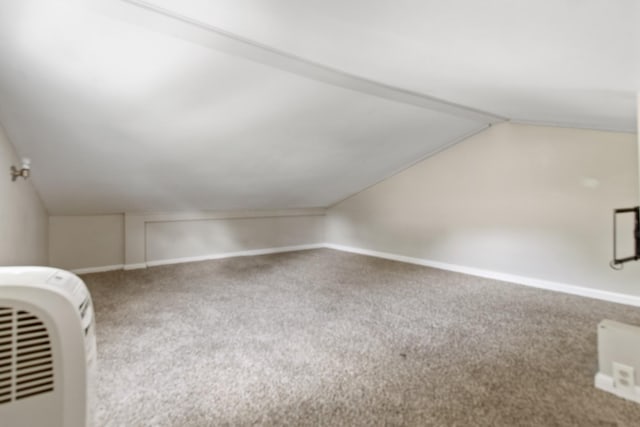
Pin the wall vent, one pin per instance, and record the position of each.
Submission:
(26, 362)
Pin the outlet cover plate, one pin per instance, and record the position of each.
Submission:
(624, 378)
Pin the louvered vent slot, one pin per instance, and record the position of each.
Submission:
(26, 363)
(83, 307)
(6, 353)
(34, 363)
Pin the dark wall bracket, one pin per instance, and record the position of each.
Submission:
(618, 263)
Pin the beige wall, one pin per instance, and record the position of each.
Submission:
(187, 239)
(23, 217)
(523, 200)
(101, 241)
(86, 241)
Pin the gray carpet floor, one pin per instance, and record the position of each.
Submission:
(327, 338)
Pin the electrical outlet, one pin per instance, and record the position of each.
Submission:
(624, 378)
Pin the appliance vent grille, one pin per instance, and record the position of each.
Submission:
(82, 308)
(26, 361)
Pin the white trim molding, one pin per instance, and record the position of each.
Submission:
(251, 252)
(238, 214)
(137, 266)
(503, 277)
(606, 383)
(98, 269)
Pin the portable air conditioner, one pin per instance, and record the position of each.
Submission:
(47, 348)
(619, 359)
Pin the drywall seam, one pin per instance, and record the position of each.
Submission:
(503, 277)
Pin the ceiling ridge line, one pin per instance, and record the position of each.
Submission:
(250, 49)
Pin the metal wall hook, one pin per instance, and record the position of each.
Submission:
(24, 171)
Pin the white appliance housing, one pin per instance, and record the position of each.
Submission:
(619, 359)
(47, 348)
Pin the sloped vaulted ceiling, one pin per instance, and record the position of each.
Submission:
(214, 105)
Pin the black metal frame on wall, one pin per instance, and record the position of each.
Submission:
(617, 263)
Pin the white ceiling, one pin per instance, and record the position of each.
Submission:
(307, 103)
(569, 62)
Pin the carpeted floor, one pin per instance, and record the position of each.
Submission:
(327, 338)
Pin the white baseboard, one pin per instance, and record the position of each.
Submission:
(135, 266)
(605, 383)
(98, 269)
(504, 277)
(251, 252)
